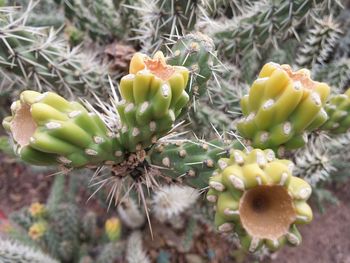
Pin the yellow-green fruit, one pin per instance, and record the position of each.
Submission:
(281, 106)
(49, 130)
(257, 197)
(113, 228)
(153, 96)
(338, 109)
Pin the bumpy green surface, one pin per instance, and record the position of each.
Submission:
(243, 172)
(49, 130)
(190, 162)
(153, 96)
(281, 107)
(197, 53)
(338, 109)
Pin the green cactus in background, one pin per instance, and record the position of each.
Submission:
(157, 20)
(153, 96)
(258, 198)
(197, 53)
(43, 59)
(49, 130)
(338, 109)
(190, 162)
(281, 106)
(13, 252)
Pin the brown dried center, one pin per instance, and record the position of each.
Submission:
(23, 125)
(159, 68)
(301, 76)
(267, 212)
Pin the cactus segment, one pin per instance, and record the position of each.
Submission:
(281, 106)
(337, 108)
(49, 130)
(153, 96)
(197, 53)
(257, 196)
(190, 162)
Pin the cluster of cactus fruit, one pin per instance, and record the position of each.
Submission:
(256, 194)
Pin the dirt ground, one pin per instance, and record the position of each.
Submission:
(326, 240)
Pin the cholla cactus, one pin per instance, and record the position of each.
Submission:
(281, 106)
(13, 252)
(338, 109)
(191, 162)
(197, 53)
(257, 196)
(158, 20)
(99, 18)
(153, 96)
(43, 59)
(48, 129)
(320, 44)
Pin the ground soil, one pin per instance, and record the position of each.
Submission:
(326, 240)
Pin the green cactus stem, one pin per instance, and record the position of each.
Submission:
(43, 59)
(190, 162)
(257, 197)
(49, 130)
(197, 53)
(281, 107)
(153, 96)
(338, 109)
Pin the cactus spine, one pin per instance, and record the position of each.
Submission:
(257, 197)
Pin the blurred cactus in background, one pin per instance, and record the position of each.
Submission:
(147, 105)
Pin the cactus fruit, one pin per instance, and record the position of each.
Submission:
(37, 230)
(49, 130)
(153, 96)
(37, 210)
(257, 197)
(197, 53)
(281, 106)
(190, 162)
(338, 109)
(113, 229)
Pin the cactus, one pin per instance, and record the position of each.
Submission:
(157, 20)
(338, 109)
(13, 252)
(113, 229)
(262, 26)
(99, 18)
(257, 197)
(281, 106)
(197, 53)
(153, 96)
(320, 44)
(190, 162)
(42, 59)
(49, 130)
